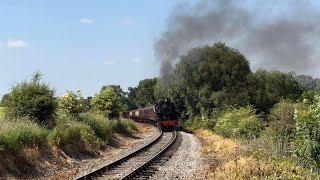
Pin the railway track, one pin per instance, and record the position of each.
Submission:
(141, 163)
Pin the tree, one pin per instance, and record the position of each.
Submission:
(131, 98)
(268, 88)
(308, 83)
(212, 76)
(33, 99)
(147, 93)
(71, 103)
(4, 97)
(107, 102)
(121, 94)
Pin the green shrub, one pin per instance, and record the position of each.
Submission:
(100, 125)
(123, 126)
(70, 132)
(239, 123)
(18, 133)
(193, 124)
(278, 137)
(307, 141)
(71, 103)
(107, 103)
(210, 123)
(33, 99)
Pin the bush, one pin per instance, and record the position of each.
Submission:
(307, 141)
(69, 133)
(278, 138)
(18, 133)
(107, 103)
(100, 125)
(210, 123)
(239, 123)
(123, 126)
(192, 124)
(103, 128)
(33, 99)
(71, 103)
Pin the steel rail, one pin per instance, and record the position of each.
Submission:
(133, 174)
(117, 162)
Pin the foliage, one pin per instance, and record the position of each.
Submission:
(70, 133)
(308, 83)
(147, 93)
(4, 97)
(33, 99)
(212, 76)
(99, 124)
(268, 88)
(192, 124)
(104, 128)
(71, 103)
(21, 132)
(174, 91)
(237, 162)
(123, 126)
(239, 123)
(107, 103)
(307, 141)
(278, 137)
(2, 112)
(120, 93)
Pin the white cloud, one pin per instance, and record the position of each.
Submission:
(14, 43)
(126, 21)
(86, 21)
(136, 60)
(110, 62)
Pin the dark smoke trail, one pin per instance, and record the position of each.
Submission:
(280, 40)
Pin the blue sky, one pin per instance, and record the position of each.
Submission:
(80, 44)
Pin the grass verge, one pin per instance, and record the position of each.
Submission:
(18, 133)
(233, 159)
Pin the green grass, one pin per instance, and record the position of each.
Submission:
(100, 125)
(104, 128)
(19, 133)
(71, 133)
(88, 132)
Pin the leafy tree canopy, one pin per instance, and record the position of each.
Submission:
(212, 76)
(269, 87)
(107, 102)
(147, 93)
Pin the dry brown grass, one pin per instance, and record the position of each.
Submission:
(223, 148)
(232, 160)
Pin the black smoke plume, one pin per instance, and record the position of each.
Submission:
(273, 34)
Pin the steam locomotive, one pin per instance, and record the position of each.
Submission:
(163, 114)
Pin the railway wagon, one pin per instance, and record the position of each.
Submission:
(163, 114)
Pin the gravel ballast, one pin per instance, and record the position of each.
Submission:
(185, 163)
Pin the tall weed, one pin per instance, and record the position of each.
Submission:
(18, 133)
(69, 132)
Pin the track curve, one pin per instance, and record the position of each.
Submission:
(132, 165)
